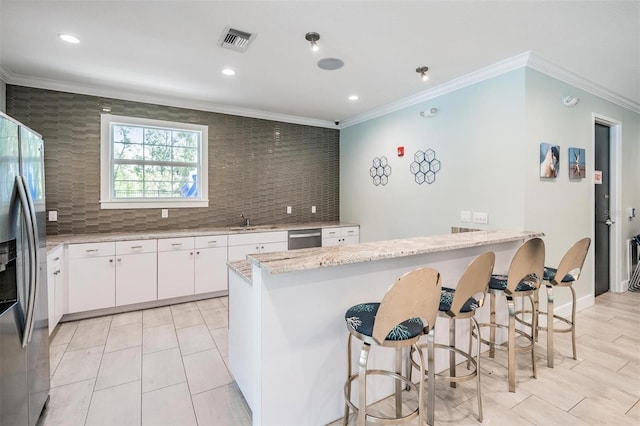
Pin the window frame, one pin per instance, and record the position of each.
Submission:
(107, 201)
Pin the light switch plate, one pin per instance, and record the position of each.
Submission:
(465, 216)
(165, 213)
(480, 217)
(313, 209)
(288, 209)
(53, 215)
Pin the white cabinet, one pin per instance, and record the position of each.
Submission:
(91, 280)
(175, 267)
(240, 245)
(56, 286)
(340, 236)
(210, 268)
(136, 272)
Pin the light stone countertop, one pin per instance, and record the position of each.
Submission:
(55, 240)
(242, 268)
(315, 258)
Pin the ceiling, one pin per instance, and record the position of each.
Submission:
(167, 52)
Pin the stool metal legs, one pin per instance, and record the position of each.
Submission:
(550, 320)
(400, 382)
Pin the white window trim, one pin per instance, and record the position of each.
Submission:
(106, 180)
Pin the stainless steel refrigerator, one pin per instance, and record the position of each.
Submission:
(24, 336)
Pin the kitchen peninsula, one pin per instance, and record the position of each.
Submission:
(287, 337)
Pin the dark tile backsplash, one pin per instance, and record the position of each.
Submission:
(256, 167)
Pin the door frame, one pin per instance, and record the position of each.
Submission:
(616, 282)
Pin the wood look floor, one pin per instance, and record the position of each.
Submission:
(168, 366)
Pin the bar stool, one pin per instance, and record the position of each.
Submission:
(396, 322)
(569, 269)
(461, 303)
(522, 281)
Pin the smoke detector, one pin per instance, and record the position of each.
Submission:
(235, 39)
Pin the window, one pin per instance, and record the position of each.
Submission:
(152, 164)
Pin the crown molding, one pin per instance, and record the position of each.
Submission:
(526, 59)
(128, 95)
(482, 74)
(544, 66)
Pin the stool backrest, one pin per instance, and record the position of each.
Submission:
(415, 294)
(474, 281)
(573, 260)
(528, 261)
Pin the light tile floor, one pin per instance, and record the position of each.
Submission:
(168, 366)
(161, 366)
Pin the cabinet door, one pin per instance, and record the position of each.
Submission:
(91, 283)
(210, 270)
(136, 278)
(60, 291)
(272, 247)
(350, 240)
(241, 252)
(330, 241)
(51, 283)
(175, 273)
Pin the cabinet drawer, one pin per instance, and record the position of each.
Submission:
(350, 231)
(331, 232)
(211, 241)
(347, 231)
(136, 246)
(258, 238)
(171, 244)
(79, 251)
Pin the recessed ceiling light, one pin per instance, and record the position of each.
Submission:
(228, 71)
(69, 38)
(353, 98)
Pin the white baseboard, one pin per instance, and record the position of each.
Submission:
(565, 310)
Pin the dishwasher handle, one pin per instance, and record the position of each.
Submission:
(310, 234)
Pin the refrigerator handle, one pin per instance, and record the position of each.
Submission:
(29, 218)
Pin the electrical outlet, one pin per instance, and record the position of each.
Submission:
(465, 216)
(288, 209)
(53, 215)
(165, 213)
(480, 217)
(313, 209)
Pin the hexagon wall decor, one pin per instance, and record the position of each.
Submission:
(425, 166)
(380, 171)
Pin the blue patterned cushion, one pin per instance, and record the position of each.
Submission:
(499, 282)
(446, 298)
(550, 273)
(362, 317)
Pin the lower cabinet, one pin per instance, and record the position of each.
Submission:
(92, 274)
(240, 245)
(56, 286)
(136, 272)
(210, 264)
(104, 275)
(175, 267)
(340, 236)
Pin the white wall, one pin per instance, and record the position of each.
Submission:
(478, 136)
(487, 137)
(562, 207)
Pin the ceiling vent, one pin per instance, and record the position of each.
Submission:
(235, 39)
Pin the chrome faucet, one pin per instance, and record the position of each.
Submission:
(245, 220)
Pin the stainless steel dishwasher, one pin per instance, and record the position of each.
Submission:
(305, 238)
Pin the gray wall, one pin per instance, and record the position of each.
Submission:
(256, 167)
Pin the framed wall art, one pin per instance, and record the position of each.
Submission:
(577, 161)
(549, 160)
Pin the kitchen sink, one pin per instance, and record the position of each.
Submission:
(251, 228)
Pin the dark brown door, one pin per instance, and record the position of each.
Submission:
(602, 213)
